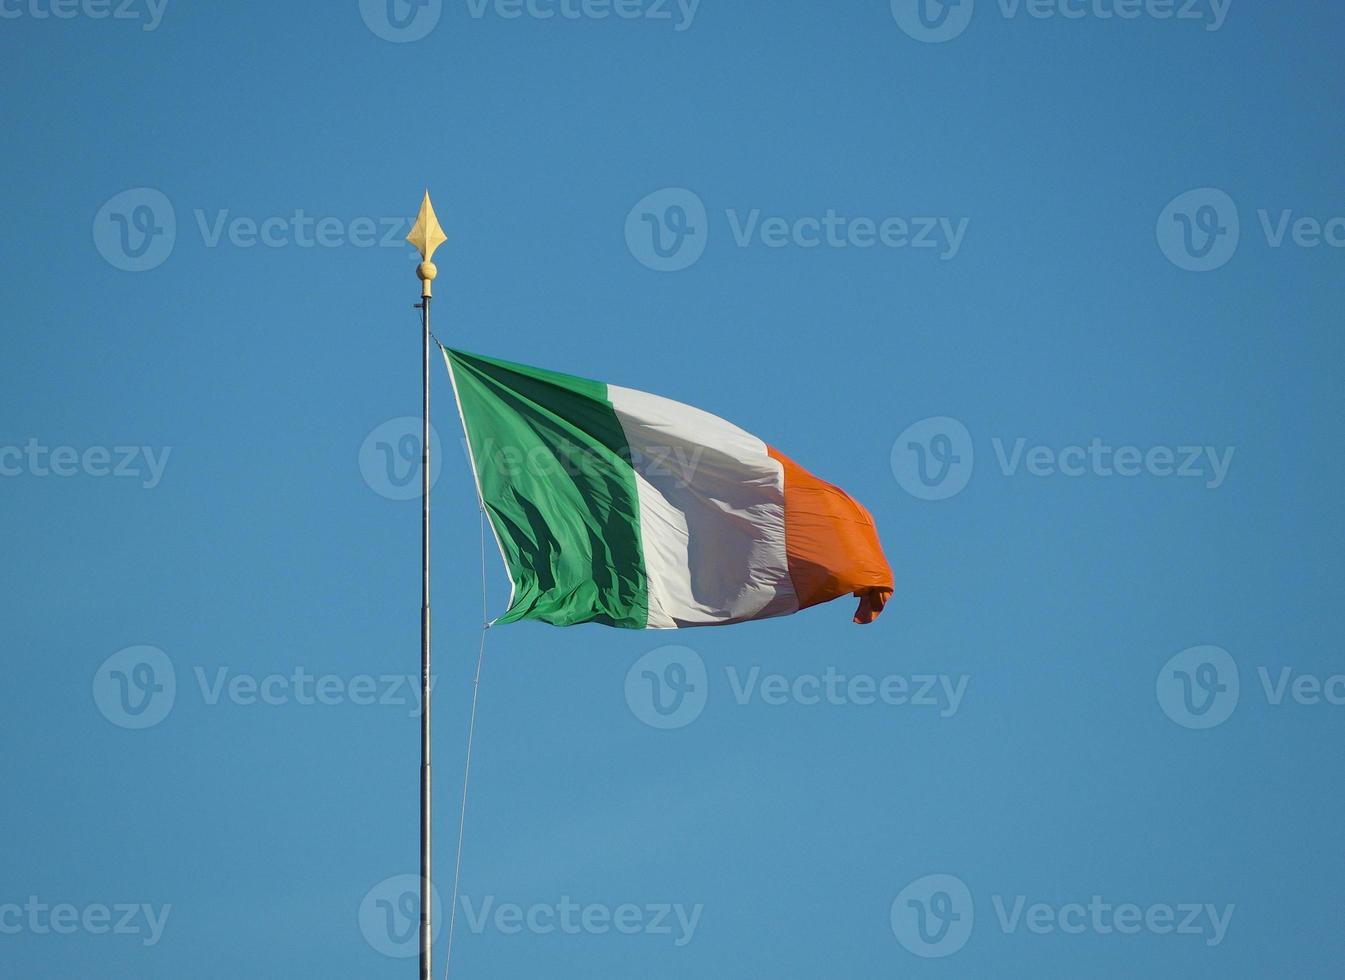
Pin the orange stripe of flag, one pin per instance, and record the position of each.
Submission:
(831, 543)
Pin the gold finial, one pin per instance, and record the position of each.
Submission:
(426, 236)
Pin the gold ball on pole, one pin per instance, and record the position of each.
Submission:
(426, 271)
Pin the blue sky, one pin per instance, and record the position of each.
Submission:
(1053, 288)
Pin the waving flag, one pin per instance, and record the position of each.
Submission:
(619, 507)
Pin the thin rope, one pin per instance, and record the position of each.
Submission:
(471, 734)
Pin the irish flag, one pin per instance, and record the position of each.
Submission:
(619, 507)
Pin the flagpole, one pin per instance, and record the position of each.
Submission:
(426, 904)
(426, 236)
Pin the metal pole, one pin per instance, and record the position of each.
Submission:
(426, 905)
(426, 236)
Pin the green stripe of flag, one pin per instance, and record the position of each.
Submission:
(554, 471)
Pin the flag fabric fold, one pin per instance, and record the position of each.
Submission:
(619, 507)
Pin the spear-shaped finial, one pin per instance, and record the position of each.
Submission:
(426, 236)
